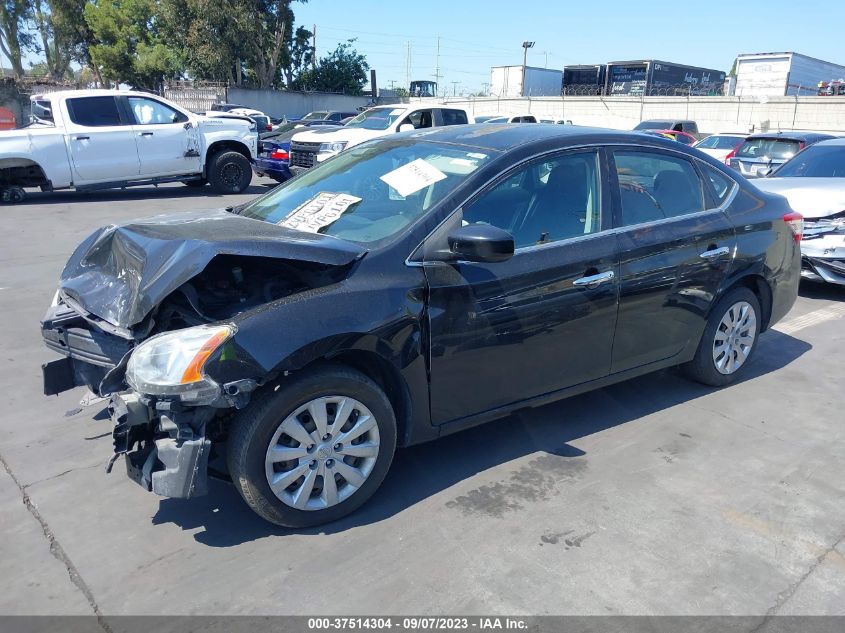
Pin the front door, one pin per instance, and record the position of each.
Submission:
(100, 141)
(675, 246)
(164, 138)
(541, 321)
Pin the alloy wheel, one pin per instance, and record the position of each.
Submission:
(734, 337)
(322, 453)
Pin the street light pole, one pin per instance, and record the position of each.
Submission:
(525, 46)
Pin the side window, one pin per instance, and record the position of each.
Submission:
(720, 185)
(655, 186)
(151, 112)
(419, 119)
(454, 117)
(94, 111)
(545, 201)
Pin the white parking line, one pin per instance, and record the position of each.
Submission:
(790, 326)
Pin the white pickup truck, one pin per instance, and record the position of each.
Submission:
(314, 146)
(99, 139)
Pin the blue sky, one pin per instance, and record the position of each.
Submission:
(476, 35)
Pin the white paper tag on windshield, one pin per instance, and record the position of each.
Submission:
(413, 176)
(321, 210)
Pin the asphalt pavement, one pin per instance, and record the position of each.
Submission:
(655, 496)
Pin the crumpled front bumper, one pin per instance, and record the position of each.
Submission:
(823, 258)
(164, 446)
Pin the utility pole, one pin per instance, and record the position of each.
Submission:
(391, 82)
(455, 88)
(546, 53)
(525, 46)
(314, 48)
(408, 67)
(437, 66)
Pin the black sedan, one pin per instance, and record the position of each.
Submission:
(408, 288)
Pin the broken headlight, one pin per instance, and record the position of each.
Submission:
(171, 364)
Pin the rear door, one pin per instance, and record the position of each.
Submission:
(451, 116)
(676, 245)
(541, 321)
(168, 143)
(100, 140)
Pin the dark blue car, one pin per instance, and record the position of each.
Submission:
(272, 159)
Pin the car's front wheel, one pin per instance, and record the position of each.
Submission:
(313, 449)
(729, 340)
(229, 172)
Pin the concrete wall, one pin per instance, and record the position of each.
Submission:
(278, 103)
(713, 114)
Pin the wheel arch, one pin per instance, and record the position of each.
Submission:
(225, 146)
(22, 171)
(757, 284)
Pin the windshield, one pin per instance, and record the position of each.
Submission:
(313, 116)
(817, 161)
(368, 193)
(778, 148)
(719, 142)
(376, 118)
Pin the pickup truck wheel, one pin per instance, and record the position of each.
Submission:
(229, 172)
(13, 195)
(200, 182)
(313, 449)
(729, 339)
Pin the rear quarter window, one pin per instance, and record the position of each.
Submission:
(454, 117)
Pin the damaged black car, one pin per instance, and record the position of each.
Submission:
(409, 288)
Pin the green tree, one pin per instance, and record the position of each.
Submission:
(73, 34)
(55, 50)
(300, 55)
(15, 34)
(128, 48)
(344, 70)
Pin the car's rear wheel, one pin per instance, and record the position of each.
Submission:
(729, 340)
(229, 172)
(313, 449)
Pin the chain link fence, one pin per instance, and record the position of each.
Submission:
(676, 90)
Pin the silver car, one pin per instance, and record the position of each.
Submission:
(761, 154)
(814, 183)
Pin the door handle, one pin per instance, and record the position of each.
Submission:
(716, 252)
(81, 138)
(145, 133)
(594, 280)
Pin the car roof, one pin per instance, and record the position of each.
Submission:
(838, 140)
(509, 135)
(93, 92)
(792, 136)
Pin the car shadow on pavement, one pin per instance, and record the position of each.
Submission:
(428, 469)
(135, 193)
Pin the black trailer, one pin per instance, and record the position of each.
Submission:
(584, 79)
(650, 77)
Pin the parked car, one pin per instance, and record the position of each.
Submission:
(273, 158)
(411, 287)
(485, 117)
(680, 137)
(761, 153)
(678, 125)
(311, 147)
(721, 146)
(517, 118)
(262, 121)
(330, 116)
(814, 183)
(96, 139)
(557, 121)
(224, 107)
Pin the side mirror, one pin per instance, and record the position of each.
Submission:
(481, 243)
(407, 127)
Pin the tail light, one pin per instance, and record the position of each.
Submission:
(795, 222)
(279, 154)
(269, 127)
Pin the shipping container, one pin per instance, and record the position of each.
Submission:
(782, 74)
(584, 79)
(506, 81)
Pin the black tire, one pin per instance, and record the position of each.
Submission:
(253, 428)
(13, 195)
(202, 182)
(702, 368)
(229, 172)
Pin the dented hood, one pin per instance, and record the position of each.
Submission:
(121, 272)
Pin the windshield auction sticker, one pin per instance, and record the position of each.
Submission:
(413, 176)
(321, 210)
